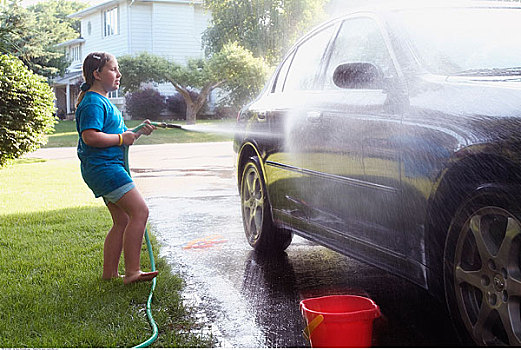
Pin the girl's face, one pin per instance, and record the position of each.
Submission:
(109, 75)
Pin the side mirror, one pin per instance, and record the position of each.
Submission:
(359, 75)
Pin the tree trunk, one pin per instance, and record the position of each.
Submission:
(191, 113)
(193, 107)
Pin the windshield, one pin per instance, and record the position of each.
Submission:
(464, 41)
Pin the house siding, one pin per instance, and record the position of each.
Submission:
(115, 44)
(141, 39)
(172, 29)
(177, 31)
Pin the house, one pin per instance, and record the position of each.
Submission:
(169, 28)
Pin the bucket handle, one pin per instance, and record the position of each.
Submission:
(312, 326)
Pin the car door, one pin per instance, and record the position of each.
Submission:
(290, 97)
(356, 177)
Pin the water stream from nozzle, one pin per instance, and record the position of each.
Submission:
(225, 129)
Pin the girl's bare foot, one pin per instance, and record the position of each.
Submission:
(140, 276)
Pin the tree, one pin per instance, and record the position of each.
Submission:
(176, 103)
(26, 111)
(265, 27)
(32, 34)
(233, 69)
(52, 16)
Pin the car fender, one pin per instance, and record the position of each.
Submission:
(248, 149)
(455, 184)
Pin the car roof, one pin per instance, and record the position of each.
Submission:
(376, 7)
(382, 6)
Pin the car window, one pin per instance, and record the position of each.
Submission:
(471, 41)
(307, 61)
(281, 76)
(359, 40)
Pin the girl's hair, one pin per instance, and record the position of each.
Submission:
(93, 62)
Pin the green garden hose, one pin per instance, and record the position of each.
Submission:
(153, 323)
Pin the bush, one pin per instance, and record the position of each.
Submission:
(226, 112)
(145, 104)
(177, 105)
(26, 111)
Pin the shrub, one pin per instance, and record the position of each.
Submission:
(145, 104)
(26, 111)
(226, 112)
(177, 105)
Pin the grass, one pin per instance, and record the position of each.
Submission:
(51, 248)
(65, 134)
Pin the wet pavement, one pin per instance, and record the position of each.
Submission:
(250, 300)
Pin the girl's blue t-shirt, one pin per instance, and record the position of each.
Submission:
(103, 169)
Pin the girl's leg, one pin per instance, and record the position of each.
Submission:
(114, 241)
(135, 207)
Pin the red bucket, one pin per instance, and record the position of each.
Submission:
(339, 321)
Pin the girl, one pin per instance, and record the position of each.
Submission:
(103, 136)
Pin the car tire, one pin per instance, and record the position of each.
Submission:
(482, 269)
(261, 232)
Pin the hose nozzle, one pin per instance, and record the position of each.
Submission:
(158, 125)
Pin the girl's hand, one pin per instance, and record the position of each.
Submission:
(147, 128)
(129, 137)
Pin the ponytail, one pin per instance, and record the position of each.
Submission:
(80, 97)
(84, 88)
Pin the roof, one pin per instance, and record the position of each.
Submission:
(71, 42)
(110, 3)
(68, 78)
(93, 9)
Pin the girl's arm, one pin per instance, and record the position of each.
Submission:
(95, 138)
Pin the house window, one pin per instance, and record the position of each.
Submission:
(75, 53)
(111, 22)
(114, 94)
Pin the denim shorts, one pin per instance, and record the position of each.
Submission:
(116, 195)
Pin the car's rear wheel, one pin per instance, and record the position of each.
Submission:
(483, 269)
(260, 231)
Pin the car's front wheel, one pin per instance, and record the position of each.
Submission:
(260, 231)
(483, 269)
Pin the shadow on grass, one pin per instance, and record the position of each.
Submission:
(52, 293)
(29, 160)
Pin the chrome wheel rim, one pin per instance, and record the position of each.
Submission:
(252, 200)
(487, 276)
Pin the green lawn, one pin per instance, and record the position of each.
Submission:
(65, 134)
(51, 248)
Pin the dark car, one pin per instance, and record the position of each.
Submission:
(393, 135)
